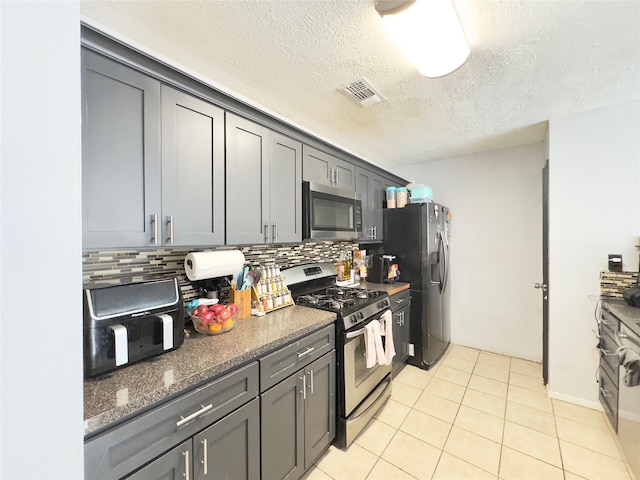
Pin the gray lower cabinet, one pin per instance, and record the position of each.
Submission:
(298, 419)
(149, 437)
(608, 371)
(230, 448)
(401, 311)
(326, 169)
(264, 184)
(152, 161)
(371, 188)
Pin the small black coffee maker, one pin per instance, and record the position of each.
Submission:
(380, 269)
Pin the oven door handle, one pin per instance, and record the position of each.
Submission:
(355, 334)
(373, 404)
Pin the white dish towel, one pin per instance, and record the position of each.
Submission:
(387, 327)
(374, 351)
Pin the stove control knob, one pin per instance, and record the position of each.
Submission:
(382, 304)
(360, 315)
(353, 319)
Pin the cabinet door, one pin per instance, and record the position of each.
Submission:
(376, 203)
(230, 448)
(345, 175)
(285, 189)
(363, 187)
(247, 178)
(282, 429)
(120, 155)
(320, 407)
(192, 170)
(323, 168)
(176, 464)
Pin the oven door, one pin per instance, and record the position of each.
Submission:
(330, 213)
(359, 381)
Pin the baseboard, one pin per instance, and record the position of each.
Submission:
(575, 400)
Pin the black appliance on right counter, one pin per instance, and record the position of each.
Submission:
(418, 236)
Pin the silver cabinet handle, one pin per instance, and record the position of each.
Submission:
(602, 320)
(170, 223)
(205, 455)
(605, 393)
(400, 300)
(184, 420)
(623, 335)
(306, 352)
(311, 380)
(304, 386)
(274, 232)
(608, 353)
(185, 454)
(266, 232)
(375, 232)
(154, 229)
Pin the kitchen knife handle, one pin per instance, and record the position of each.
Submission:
(170, 222)
(154, 229)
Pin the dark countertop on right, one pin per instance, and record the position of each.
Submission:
(390, 288)
(627, 314)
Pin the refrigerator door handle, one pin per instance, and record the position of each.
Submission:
(445, 248)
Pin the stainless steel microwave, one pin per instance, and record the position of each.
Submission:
(330, 213)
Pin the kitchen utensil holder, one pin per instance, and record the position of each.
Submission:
(242, 298)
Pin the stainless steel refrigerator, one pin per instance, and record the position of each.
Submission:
(418, 235)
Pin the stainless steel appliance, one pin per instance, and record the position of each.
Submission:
(361, 390)
(418, 235)
(124, 324)
(629, 399)
(330, 213)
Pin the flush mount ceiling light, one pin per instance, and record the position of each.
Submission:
(429, 32)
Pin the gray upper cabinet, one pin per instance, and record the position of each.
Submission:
(121, 169)
(192, 170)
(320, 167)
(264, 184)
(372, 188)
(153, 161)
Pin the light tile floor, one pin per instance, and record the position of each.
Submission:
(477, 415)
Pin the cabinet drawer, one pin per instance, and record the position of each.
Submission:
(608, 356)
(609, 398)
(121, 450)
(278, 365)
(609, 324)
(400, 300)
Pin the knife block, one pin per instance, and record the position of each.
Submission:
(242, 298)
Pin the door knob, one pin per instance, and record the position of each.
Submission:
(543, 286)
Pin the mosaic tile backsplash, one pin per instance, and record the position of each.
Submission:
(612, 284)
(113, 267)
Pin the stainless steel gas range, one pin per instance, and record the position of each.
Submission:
(361, 390)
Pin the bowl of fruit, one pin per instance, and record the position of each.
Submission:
(214, 319)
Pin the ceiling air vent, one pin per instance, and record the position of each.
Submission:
(362, 92)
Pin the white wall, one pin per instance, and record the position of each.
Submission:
(594, 201)
(41, 409)
(496, 244)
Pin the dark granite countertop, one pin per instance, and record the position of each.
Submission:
(118, 395)
(390, 288)
(627, 314)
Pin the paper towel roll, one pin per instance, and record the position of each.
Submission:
(205, 265)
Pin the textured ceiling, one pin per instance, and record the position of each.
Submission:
(530, 61)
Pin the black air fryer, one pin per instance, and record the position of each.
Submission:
(380, 267)
(124, 324)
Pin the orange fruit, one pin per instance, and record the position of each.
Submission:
(215, 328)
(228, 324)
